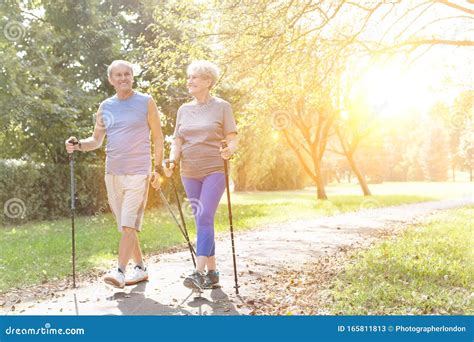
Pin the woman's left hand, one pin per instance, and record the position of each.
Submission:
(226, 152)
(230, 143)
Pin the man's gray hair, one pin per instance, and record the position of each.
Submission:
(117, 63)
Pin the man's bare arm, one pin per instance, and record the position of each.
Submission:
(156, 133)
(95, 141)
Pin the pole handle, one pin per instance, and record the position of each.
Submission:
(168, 162)
(73, 141)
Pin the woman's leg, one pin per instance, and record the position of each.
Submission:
(193, 187)
(213, 187)
(211, 263)
(204, 195)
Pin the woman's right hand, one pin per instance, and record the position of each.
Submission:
(168, 167)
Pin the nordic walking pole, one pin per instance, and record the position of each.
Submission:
(229, 207)
(168, 162)
(191, 249)
(73, 209)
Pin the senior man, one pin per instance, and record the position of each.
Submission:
(127, 118)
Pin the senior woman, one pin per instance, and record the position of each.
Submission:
(200, 127)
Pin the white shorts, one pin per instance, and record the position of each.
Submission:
(127, 196)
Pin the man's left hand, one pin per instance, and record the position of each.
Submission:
(156, 180)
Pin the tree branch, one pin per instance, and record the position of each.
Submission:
(416, 43)
(458, 7)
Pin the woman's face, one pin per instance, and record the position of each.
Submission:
(198, 84)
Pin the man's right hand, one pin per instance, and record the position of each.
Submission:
(168, 168)
(70, 145)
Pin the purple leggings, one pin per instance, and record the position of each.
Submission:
(204, 195)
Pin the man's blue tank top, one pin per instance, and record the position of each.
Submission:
(128, 135)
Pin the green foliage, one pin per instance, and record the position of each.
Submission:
(42, 191)
(53, 78)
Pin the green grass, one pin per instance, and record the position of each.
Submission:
(41, 251)
(429, 269)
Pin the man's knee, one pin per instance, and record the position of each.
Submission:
(128, 231)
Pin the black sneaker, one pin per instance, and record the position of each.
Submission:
(211, 280)
(195, 281)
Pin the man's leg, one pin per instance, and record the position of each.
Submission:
(128, 196)
(115, 196)
(130, 247)
(136, 193)
(137, 254)
(127, 246)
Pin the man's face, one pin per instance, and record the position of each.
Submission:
(121, 78)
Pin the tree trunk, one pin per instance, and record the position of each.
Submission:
(319, 180)
(454, 173)
(360, 177)
(321, 190)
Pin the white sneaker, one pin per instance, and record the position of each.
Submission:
(115, 278)
(138, 275)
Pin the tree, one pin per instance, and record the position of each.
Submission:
(354, 126)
